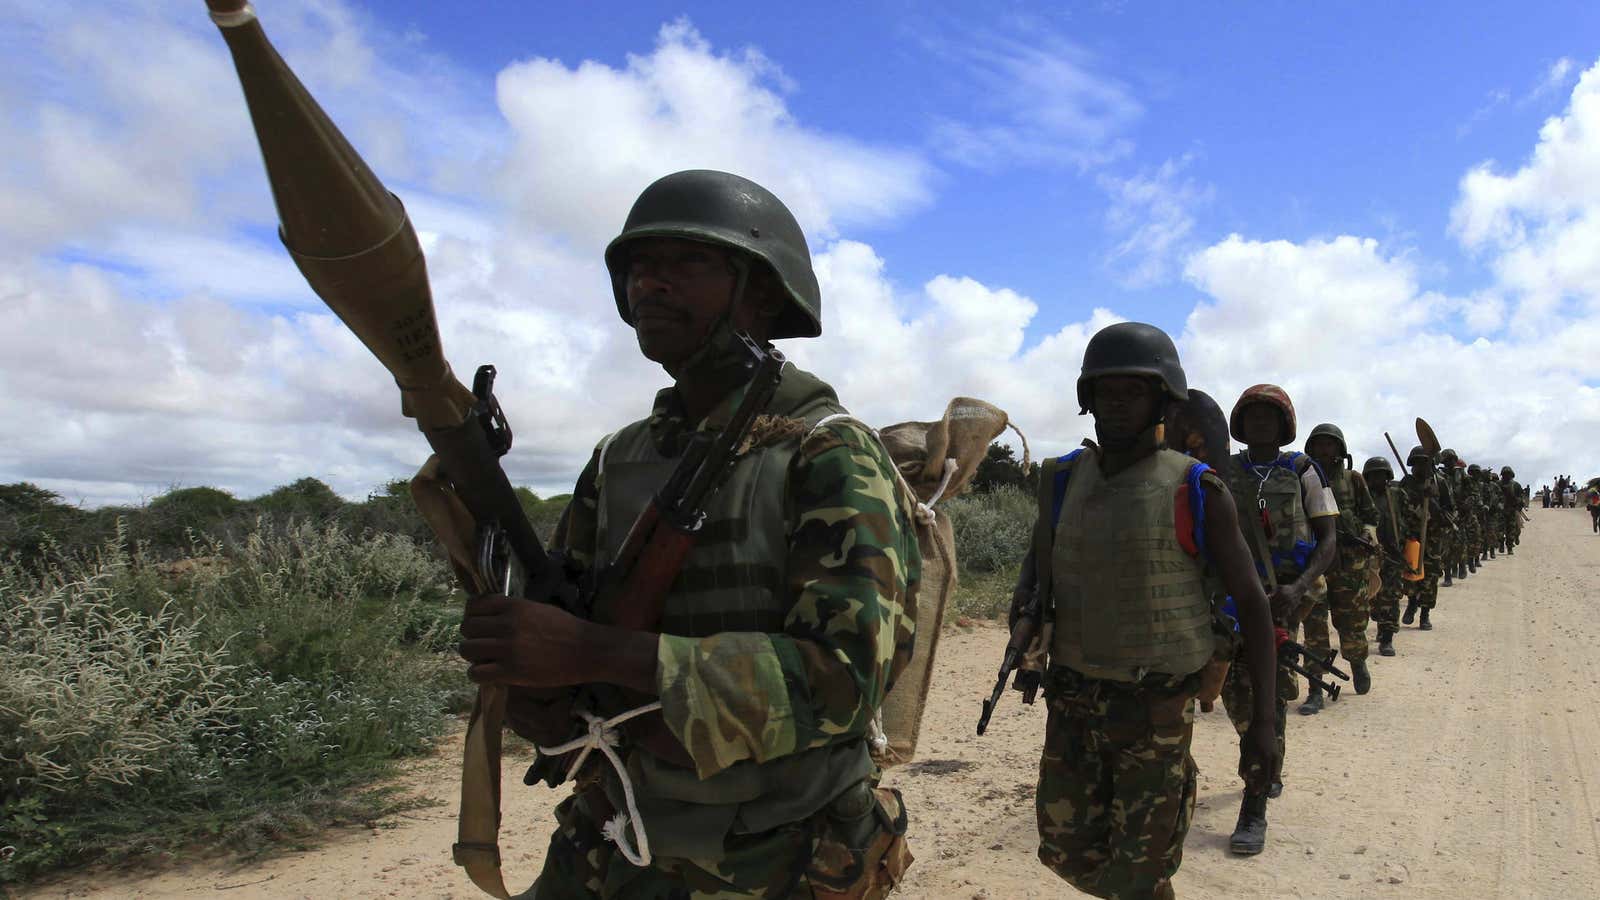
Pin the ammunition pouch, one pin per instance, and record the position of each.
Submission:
(860, 851)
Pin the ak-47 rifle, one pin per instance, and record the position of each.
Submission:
(1025, 603)
(355, 245)
(1290, 654)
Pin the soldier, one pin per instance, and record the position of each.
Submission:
(1126, 535)
(1494, 505)
(1480, 517)
(790, 620)
(1454, 536)
(1354, 569)
(1288, 514)
(1468, 515)
(1514, 500)
(1392, 524)
(1420, 488)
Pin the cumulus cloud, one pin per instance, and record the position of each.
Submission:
(1539, 225)
(587, 138)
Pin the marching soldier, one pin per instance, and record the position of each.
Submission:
(1354, 569)
(1126, 536)
(1287, 513)
(1393, 524)
(788, 623)
(1421, 491)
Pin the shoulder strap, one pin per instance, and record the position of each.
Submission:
(1053, 475)
(1192, 534)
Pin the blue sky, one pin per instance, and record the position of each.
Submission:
(1388, 210)
(1302, 120)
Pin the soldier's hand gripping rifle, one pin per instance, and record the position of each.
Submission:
(354, 243)
(1291, 653)
(1024, 628)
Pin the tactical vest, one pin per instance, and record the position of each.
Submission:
(1128, 599)
(733, 580)
(1273, 487)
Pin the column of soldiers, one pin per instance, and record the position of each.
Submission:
(796, 610)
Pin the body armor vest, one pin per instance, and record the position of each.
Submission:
(1128, 599)
(1274, 488)
(733, 580)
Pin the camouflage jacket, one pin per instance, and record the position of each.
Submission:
(852, 566)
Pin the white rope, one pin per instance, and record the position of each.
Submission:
(603, 736)
(925, 513)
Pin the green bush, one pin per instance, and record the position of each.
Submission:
(992, 528)
(247, 696)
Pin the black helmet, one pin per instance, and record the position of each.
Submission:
(1505, 472)
(1474, 470)
(729, 211)
(1132, 348)
(1418, 452)
(1448, 457)
(1377, 464)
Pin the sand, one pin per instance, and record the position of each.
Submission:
(1470, 770)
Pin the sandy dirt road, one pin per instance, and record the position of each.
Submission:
(1471, 770)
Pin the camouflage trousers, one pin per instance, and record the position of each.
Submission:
(1386, 605)
(1350, 589)
(1237, 699)
(1116, 782)
(1513, 528)
(801, 860)
(1425, 591)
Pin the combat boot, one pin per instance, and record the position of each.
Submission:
(1461, 571)
(1448, 581)
(1313, 704)
(1385, 642)
(1359, 675)
(1425, 625)
(1250, 834)
(1410, 614)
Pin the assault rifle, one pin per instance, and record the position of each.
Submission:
(355, 245)
(1027, 614)
(1290, 654)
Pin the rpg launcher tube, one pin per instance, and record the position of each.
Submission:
(350, 237)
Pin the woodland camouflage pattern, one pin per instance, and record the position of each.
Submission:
(1136, 737)
(852, 565)
(1349, 575)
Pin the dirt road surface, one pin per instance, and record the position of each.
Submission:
(1472, 769)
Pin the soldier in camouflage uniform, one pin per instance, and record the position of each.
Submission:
(1288, 514)
(1419, 487)
(1512, 492)
(1128, 535)
(1392, 515)
(1494, 506)
(790, 620)
(1454, 477)
(1480, 527)
(1352, 579)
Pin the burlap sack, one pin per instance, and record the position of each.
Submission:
(938, 460)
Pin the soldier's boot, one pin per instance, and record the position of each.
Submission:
(1491, 553)
(1448, 581)
(1411, 613)
(1425, 625)
(1360, 677)
(1385, 642)
(1275, 791)
(1250, 834)
(1461, 571)
(1313, 704)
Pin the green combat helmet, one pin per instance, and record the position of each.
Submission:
(1418, 452)
(1506, 473)
(1328, 429)
(729, 211)
(1377, 464)
(1264, 393)
(1448, 458)
(1132, 348)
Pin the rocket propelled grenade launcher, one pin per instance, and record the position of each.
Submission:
(354, 243)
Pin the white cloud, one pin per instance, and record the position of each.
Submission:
(1038, 100)
(1541, 223)
(588, 138)
(1152, 218)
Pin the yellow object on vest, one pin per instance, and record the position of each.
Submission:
(1413, 570)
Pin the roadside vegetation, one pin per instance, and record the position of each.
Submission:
(207, 671)
(203, 669)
